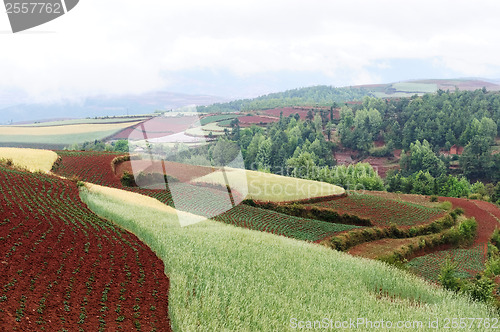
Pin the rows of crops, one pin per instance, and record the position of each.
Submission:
(95, 167)
(469, 262)
(281, 224)
(64, 268)
(382, 211)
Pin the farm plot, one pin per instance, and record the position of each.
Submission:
(469, 262)
(64, 268)
(281, 224)
(156, 127)
(382, 211)
(226, 278)
(271, 187)
(95, 167)
(58, 136)
(218, 118)
(31, 159)
(246, 121)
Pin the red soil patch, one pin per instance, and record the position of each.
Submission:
(410, 198)
(156, 127)
(256, 119)
(182, 172)
(95, 167)
(381, 211)
(381, 165)
(64, 268)
(484, 213)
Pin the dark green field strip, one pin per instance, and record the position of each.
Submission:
(281, 224)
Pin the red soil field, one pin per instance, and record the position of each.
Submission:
(382, 211)
(381, 165)
(156, 127)
(182, 172)
(256, 119)
(63, 268)
(486, 214)
(95, 167)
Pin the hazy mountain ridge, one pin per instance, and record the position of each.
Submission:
(104, 106)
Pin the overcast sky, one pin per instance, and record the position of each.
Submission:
(244, 48)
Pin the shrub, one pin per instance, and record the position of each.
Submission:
(475, 196)
(467, 229)
(480, 289)
(6, 161)
(128, 180)
(448, 278)
(495, 238)
(434, 198)
(446, 205)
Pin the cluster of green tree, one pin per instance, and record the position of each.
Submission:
(424, 183)
(443, 119)
(116, 146)
(359, 131)
(289, 146)
(312, 96)
(423, 172)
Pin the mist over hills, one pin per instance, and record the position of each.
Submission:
(99, 106)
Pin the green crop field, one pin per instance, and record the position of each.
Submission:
(224, 278)
(415, 87)
(469, 262)
(86, 121)
(58, 136)
(217, 118)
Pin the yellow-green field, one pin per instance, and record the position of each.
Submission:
(57, 137)
(31, 159)
(270, 187)
(224, 278)
(63, 130)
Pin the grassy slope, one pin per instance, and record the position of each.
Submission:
(228, 278)
(31, 159)
(270, 187)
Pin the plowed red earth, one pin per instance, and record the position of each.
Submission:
(62, 268)
(487, 216)
(182, 172)
(95, 167)
(256, 119)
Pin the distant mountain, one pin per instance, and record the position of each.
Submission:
(320, 95)
(104, 106)
(323, 95)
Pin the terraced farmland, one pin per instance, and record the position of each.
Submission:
(64, 268)
(469, 262)
(382, 211)
(95, 167)
(58, 136)
(281, 224)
